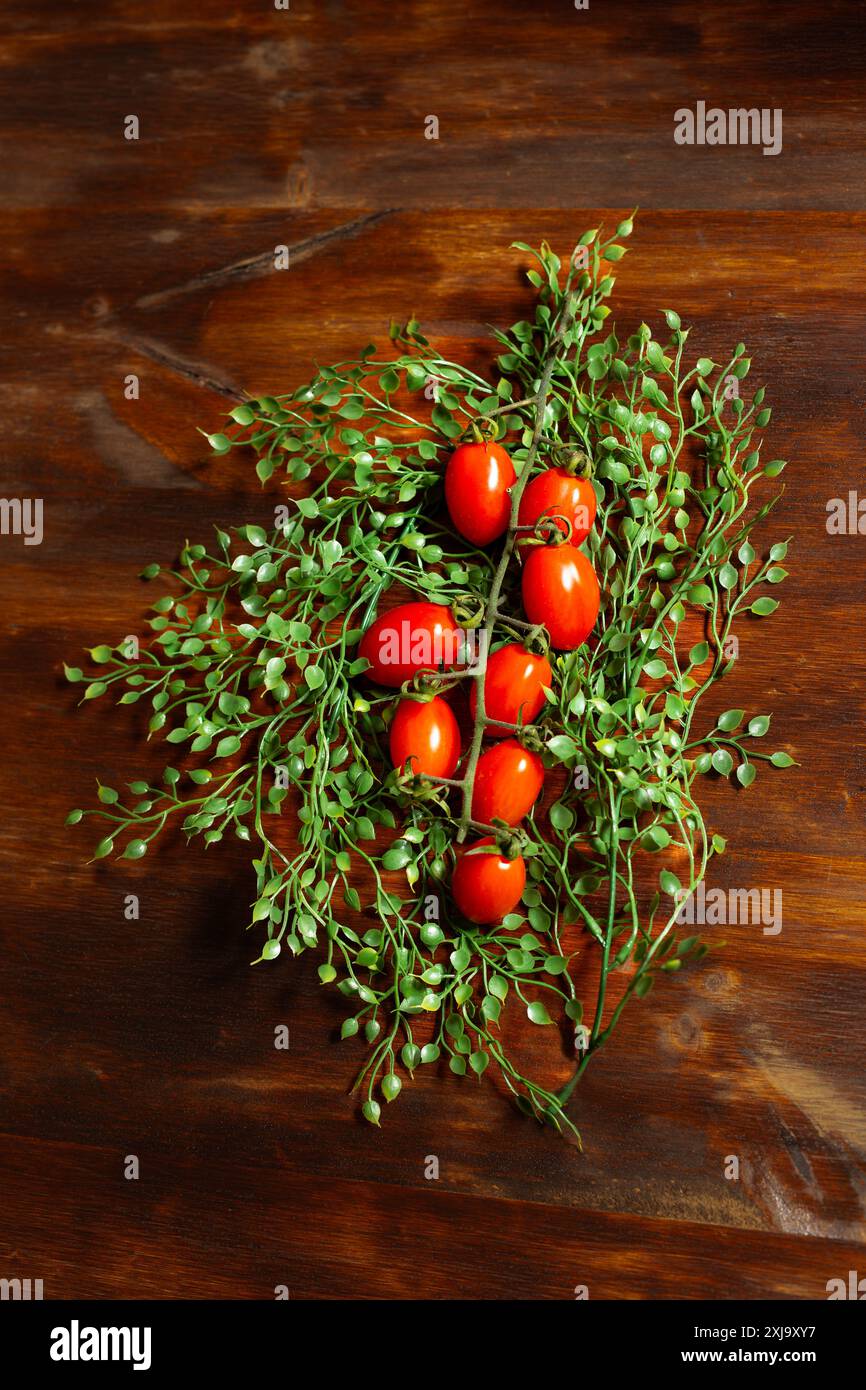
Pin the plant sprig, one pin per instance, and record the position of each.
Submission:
(250, 668)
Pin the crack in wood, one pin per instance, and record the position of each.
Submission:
(193, 371)
(253, 267)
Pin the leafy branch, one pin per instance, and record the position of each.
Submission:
(250, 669)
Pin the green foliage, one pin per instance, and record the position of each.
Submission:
(251, 669)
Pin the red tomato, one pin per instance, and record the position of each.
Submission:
(425, 731)
(477, 480)
(486, 887)
(557, 492)
(561, 591)
(413, 637)
(513, 683)
(508, 779)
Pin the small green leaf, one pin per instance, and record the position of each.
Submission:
(759, 725)
(391, 1086)
(782, 759)
(135, 849)
(746, 774)
(537, 1012)
(722, 761)
(764, 606)
(731, 719)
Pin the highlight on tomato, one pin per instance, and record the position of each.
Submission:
(558, 493)
(425, 734)
(513, 688)
(560, 590)
(410, 638)
(477, 480)
(508, 780)
(486, 886)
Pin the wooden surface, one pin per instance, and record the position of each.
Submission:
(153, 1037)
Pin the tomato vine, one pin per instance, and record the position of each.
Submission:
(251, 663)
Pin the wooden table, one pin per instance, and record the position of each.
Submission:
(154, 258)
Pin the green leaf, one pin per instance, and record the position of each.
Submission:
(728, 576)
(372, 1110)
(759, 725)
(669, 883)
(746, 774)
(764, 606)
(94, 690)
(656, 838)
(398, 856)
(562, 747)
(314, 677)
(731, 719)
(103, 848)
(722, 761)
(227, 746)
(135, 849)
(537, 1012)
(782, 759)
(391, 1086)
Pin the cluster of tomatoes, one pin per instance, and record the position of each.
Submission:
(559, 591)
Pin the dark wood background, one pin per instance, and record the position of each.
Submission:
(154, 257)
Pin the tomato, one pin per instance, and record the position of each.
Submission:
(513, 683)
(412, 637)
(425, 731)
(486, 887)
(557, 492)
(508, 779)
(561, 591)
(477, 480)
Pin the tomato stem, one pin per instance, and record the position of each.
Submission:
(540, 401)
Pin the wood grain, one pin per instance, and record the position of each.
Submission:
(325, 105)
(153, 1037)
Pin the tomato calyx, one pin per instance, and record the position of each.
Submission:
(554, 528)
(577, 462)
(483, 429)
(468, 609)
(509, 842)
